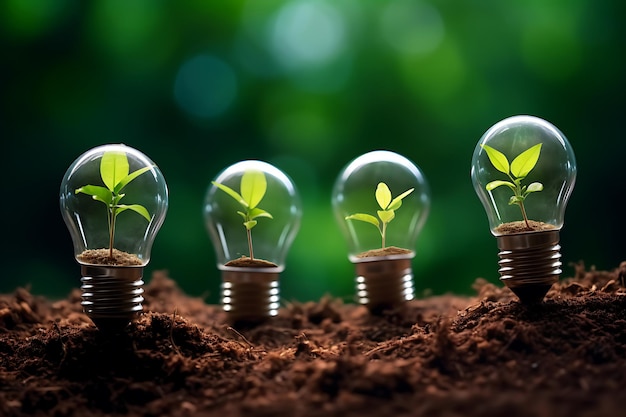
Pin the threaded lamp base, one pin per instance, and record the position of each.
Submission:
(530, 263)
(250, 296)
(384, 284)
(112, 295)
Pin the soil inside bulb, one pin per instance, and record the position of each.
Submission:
(521, 227)
(247, 262)
(101, 257)
(390, 250)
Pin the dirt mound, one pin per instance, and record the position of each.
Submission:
(486, 355)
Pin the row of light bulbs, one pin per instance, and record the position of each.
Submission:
(114, 200)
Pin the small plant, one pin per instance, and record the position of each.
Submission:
(387, 214)
(519, 168)
(114, 171)
(252, 188)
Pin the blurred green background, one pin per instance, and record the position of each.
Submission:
(306, 85)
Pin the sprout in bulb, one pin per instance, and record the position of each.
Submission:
(253, 188)
(523, 171)
(387, 212)
(113, 200)
(363, 196)
(114, 171)
(519, 168)
(252, 212)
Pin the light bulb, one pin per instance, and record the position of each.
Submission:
(524, 170)
(252, 213)
(381, 201)
(113, 200)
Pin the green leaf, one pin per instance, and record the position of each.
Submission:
(386, 215)
(383, 195)
(526, 161)
(253, 187)
(250, 224)
(97, 192)
(242, 214)
(134, 207)
(497, 158)
(234, 194)
(113, 168)
(495, 184)
(368, 218)
(257, 212)
(397, 202)
(515, 199)
(124, 181)
(534, 187)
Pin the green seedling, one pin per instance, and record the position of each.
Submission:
(387, 214)
(253, 186)
(114, 171)
(517, 170)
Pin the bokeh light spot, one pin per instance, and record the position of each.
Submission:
(412, 27)
(307, 33)
(205, 86)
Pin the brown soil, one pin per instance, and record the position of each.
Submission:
(247, 262)
(520, 227)
(485, 355)
(101, 257)
(389, 250)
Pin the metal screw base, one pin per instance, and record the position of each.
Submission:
(112, 295)
(250, 296)
(384, 284)
(530, 263)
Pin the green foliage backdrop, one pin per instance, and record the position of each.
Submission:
(306, 85)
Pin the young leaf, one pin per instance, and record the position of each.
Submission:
(396, 203)
(113, 168)
(250, 224)
(526, 161)
(495, 184)
(253, 187)
(534, 187)
(383, 195)
(386, 215)
(234, 194)
(257, 212)
(124, 181)
(497, 158)
(368, 218)
(97, 192)
(134, 207)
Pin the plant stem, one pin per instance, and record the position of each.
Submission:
(521, 206)
(111, 231)
(249, 232)
(383, 232)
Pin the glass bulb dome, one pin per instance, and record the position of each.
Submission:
(554, 171)
(87, 216)
(271, 237)
(355, 192)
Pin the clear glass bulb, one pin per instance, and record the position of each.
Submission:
(363, 200)
(251, 256)
(114, 200)
(524, 170)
